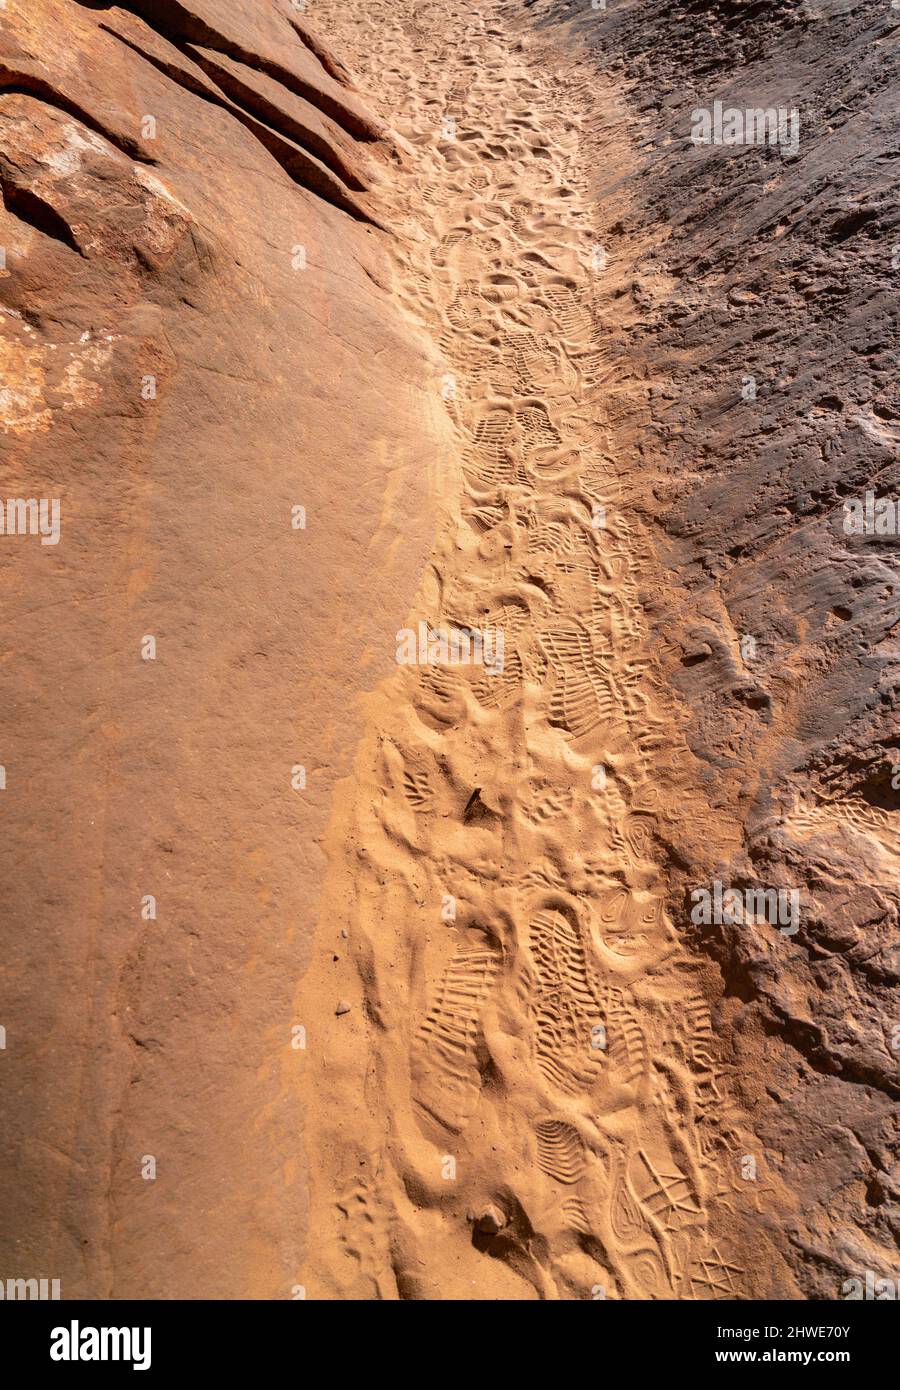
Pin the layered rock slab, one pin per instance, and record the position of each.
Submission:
(203, 365)
(758, 290)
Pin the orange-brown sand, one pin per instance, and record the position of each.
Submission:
(511, 1086)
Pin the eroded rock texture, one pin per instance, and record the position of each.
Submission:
(778, 266)
(198, 339)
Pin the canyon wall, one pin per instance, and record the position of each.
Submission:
(763, 310)
(202, 362)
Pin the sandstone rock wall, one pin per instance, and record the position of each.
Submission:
(763, 311)
(198, 338)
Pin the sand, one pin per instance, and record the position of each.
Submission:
(523, 1099)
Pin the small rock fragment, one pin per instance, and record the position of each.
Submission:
(490, 1221)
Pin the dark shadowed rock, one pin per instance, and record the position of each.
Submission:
(770, 344)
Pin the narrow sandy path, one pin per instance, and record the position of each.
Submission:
(523, 1099)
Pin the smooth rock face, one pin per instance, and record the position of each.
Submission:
(763, 312)
(198, 340)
